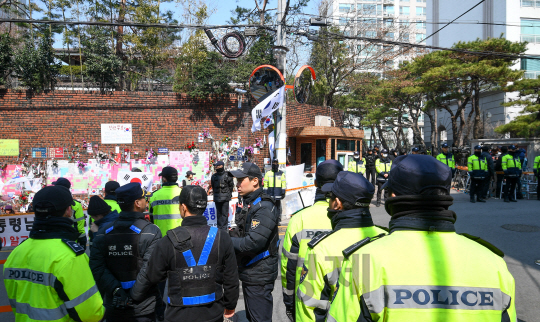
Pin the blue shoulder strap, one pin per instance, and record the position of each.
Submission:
(188, 256)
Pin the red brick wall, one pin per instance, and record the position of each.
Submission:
(64, 118)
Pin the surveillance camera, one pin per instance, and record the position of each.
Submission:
(240, 91)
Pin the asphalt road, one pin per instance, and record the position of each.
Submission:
(522, 248)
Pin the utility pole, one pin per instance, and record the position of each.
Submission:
(280, 53)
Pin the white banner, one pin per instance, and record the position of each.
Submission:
(211, 214)
(15, 229)
(266, 107)
(144, 178)
(271, 146)
(116, 133)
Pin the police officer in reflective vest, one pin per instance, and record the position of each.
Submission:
(121, 249)
(350, 196)
(302, 227)
(357, 165)
(511, 166)
(423, 270)
(371, 172)
(536, 170)
(478, 171)
(79, 219)
(164, 202)
(47, 276)
(447, 158)
(275, 184)
(256, 243)
(110, 195)
(199, 264)
(382, 165)
(222, 186)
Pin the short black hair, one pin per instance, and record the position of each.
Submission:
(253, 177)
(171, 178)
(485, 148)
(194, 210)
(127, 206)
(504, 149)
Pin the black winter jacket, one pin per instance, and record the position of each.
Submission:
(164, 260)
(370, 161)
(106, 281)
(490, 163)
(222, 186)
(261, 232)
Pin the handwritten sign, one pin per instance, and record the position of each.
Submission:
(116, 134)
(9, 147)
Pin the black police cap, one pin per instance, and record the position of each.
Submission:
(111, 186)
(478, 147)
(130, 192)
(52, 199)
(193, 197)
(62, 182)
(351, 187)
(444, 145)
(415, 149)
(413, 173)
(168, 172)
(248, 169)
(327, 171)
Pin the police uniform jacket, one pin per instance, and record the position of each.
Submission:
(106, 281)
(370, 161)
(222, 186)
(163, 261)
(490, 163)
(256, 249)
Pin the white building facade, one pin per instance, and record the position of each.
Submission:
(515, 20)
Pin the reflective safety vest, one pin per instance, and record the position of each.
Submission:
(275, 189)
(477, 167)
(79, 218)
(447, 159)
(424, 276)
(113, 204)
(193, 283)
(511, 165)
(302, 227)
(164, 205)
(382, 168)
(357, 166)
(50, 279)
(121, 251)
(536, 166)
(321, 270)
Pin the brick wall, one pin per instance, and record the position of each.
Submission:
(64, 118)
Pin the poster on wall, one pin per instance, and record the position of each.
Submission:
(15, 229)
(56, 153)
(9, 147)
(116, 133)
(198, 162)
(39, 152)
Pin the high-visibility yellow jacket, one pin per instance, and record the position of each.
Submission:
(477, 167)
(357, 166)
(511, 165)
(424, 276)
(321, 270)
(79, 218)
(447, 159)
(275, 189)
(113, 204)
(536, 166)
(164, 205)
(47, 281)
(301, 228)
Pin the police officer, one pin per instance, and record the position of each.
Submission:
(303, 226)
(79, 219)
(498, 168)
(164, 202)
(478, 171)
(256, 243)
(47, 276)
(491, 170)
(423, 270)
(357, 165)
(370, 167)
(199, 264)
(447, 158)
(350, 196)
(110, 195)
(536, 170)
(512, 171)
(121, 249)
(275, 184)
(101, 213)
(222, 186)
(382, 166)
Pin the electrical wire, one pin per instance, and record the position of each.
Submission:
(223, 48)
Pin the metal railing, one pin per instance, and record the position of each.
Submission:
(532, 39)
(531, 75)
(530, 3)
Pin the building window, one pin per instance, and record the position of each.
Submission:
(389, 10)
(406, 37)
(530, 30)
(405, 22)
(404, 10)
(420, 1)
(420, 37)
(345, 145)
(333, 152)
(305, 155)
(420, 24)
(371, 34)
(531, 68)
(369, 9)
(320, 151)
(346, 7)
(420, 11)
(342, 21)
(530, 3)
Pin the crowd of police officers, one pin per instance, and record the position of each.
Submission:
(336, 265)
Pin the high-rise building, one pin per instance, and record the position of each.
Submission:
(397, 20)
(515, 20)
